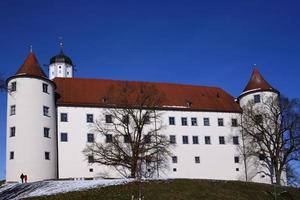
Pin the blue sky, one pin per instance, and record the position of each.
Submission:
(212, 43)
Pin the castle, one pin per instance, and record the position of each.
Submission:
(48, 120)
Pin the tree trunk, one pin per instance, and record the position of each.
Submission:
(278, 177)
(246, 168)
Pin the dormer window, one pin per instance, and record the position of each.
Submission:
(188, 104)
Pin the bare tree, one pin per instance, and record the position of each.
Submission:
(246, 153)
(272, 129)
(131, 128)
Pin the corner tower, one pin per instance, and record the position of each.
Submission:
(31, 124)
(256, 90)
(60, 65)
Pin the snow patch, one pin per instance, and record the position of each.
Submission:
(42, 188)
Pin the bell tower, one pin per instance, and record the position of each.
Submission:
(61, 65)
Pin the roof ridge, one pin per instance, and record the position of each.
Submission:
(135, 81)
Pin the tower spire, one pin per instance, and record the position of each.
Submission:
(61, 43)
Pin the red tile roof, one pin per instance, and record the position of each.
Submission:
(90, 92)
(31, 67)
(257, 82)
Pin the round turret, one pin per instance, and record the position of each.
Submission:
(31, 124)
(256, 90)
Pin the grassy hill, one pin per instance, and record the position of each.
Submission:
(183, 189)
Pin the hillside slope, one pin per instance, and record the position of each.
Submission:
(18, 191)
(184, 189)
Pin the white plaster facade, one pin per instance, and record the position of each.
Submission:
(60, 70)
(217, 161)
(28, 144)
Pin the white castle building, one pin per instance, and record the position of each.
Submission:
(48, 120)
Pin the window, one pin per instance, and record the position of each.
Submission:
(222, 140)
(13, 110)
(108, 118)
(237, 169)
(235, 140)
(91, 170)
(236, 159)
(90, 118)
(258, 119)
(171, 120)
(127, 139)
(174, 169)
(207, 140)
(206, 121)
(195, 140)
(64, 137)
(194, 121)
(108, 138)
(173, 139)
(234, 122)
(147, 119)
(45, 88)
(90, 137)
(125, 119)
(12, 131)
(257, 98)
(63, 117)
(183, 121)
(174, 159)
(46, 110)
(261, 156)
(147, 139)
(46, 132)
(13, 86)
(259, 136)
(197, 159)
(90, 159)
(11, 155)
(185, 139)
(47, 155)
(220, 122)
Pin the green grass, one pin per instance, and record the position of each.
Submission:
(183, 189)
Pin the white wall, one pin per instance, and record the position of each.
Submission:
(60, 70)
(216, 160)
(29, 144)
(254, 164)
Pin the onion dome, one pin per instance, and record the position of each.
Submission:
(257, 82)
(31, 67)
(61, 58)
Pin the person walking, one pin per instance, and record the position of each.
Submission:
(22, 178)
(25, 178)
